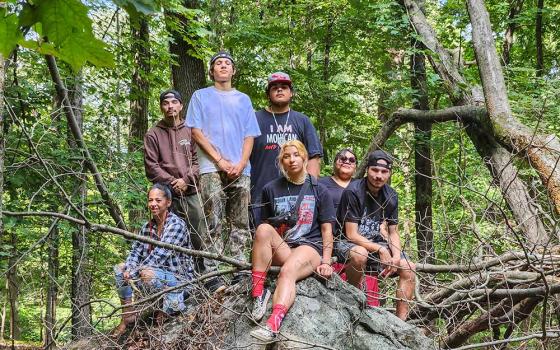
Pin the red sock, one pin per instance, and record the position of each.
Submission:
(275, 319)
(258, 283)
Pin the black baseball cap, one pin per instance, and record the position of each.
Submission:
(377, 155)
(174, 93)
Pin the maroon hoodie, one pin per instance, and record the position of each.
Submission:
(169, 154)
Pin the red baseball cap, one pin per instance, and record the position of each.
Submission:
(278, 78)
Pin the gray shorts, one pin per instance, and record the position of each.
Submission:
(342, 252)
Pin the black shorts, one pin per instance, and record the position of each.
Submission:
(318, 246)
(342, 252)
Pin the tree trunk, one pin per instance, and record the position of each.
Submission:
(422, 158)
(188, 71)
(322, 122)
(139, 95)
(499, 111)
(538, 37)
(140, 84)
(514, 10)
(483, 135)
(13, 289)
(4, 311)
(52, 286)
(81, 280)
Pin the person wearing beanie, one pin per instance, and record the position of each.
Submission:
(223, 125)
(365, 208)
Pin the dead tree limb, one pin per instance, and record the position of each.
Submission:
(543, 150)
(62, 93)
(130, 235)
(505, 312)
(497, 158)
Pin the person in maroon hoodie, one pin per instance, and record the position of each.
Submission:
(170, 158)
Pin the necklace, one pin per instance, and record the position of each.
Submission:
(298, 181)
(276, 122)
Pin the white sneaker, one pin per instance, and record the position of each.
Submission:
(259, 305)
(264, 334)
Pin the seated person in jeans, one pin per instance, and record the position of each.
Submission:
(364, 206)
(156, 268)
(301, 244)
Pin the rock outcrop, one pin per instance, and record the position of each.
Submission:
(329, 316)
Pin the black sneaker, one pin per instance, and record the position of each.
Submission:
(215, 285)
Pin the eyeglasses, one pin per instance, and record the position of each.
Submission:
(344, 159)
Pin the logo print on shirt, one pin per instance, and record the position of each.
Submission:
(283, 134)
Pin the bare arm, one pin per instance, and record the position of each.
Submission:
(394, 240)
(384, 255)
(325, 269)
(351, 229)
(314, 166)
(204, 143)
(237, 169)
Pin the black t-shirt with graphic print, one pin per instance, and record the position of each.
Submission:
(288, 126)
(358, 205)
(335, 190)
(316, 208)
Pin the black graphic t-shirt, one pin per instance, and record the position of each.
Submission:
(335, 190)
(288, 126)
(316, 208)
(359, 206)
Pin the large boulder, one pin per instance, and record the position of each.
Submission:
(329, 316)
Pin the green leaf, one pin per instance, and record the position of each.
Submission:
(133, 7)
(77, 50)
(9, 32)
(67, 26)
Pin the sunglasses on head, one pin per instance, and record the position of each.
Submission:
(344, 159)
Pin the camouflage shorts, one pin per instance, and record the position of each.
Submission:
(225, 203)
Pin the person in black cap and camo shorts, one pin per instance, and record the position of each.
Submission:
(279, 124)
(365, 205)
(224, 125)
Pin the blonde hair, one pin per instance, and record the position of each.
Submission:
(301, 150)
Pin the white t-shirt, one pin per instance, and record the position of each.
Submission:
(226, 118)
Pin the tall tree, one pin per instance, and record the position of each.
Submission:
(81, 274)
(515, 7)
(422, 155)
(188, 69)
(140, 84)
(539, 37)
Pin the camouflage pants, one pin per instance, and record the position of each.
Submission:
(189, 208)
(220, 196)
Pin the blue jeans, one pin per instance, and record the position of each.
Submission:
(173, 301)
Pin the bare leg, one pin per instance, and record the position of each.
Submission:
(405, 287)
(300, 264)
(268, 248)
(356, 264)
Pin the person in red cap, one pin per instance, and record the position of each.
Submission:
(279, 124)
(364, 207)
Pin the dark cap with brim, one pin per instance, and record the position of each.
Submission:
(221, 54)
(170, 93)
(377, 155)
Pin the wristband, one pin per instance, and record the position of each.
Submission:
(218, 161)
(324, 262)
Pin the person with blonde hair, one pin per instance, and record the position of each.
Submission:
(296, 234)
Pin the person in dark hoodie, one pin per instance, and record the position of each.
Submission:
(170, 157)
